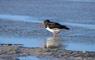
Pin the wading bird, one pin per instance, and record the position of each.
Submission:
(54, 27)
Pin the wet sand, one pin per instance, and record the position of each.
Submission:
(18, 50)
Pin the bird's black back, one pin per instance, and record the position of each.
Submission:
(57, 25)
(52, 25)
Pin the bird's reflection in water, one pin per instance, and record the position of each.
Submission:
(54, 42)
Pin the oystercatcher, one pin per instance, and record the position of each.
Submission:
(54, 27)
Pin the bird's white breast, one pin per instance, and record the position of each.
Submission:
(53, 30)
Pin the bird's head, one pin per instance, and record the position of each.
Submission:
(46, 21)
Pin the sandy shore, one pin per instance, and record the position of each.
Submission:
(18, 50)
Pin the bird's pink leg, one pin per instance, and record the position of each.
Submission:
(56, 34)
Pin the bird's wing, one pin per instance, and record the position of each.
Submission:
(57, 25)
(54, 25)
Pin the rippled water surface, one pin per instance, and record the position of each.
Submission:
(20, 22)
(28, 58)
(32, 35)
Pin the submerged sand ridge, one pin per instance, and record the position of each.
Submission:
(18, 50)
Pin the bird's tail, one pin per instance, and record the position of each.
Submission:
(65, 27)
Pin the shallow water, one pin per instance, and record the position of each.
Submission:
(28, 58)
(27, 42)
(78, 38)
(54, 58)
(78, 15)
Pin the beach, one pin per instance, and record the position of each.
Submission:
(23, 38)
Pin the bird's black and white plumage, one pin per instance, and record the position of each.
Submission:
(54, 27)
